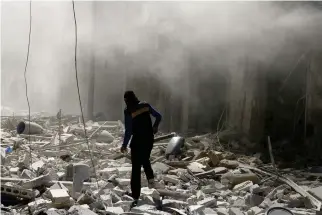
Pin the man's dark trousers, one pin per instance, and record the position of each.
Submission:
(140, 156)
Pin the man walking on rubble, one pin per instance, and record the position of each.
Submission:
(138, 124)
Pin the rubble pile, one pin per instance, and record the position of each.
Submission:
(198, 177)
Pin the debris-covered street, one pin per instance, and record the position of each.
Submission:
(202, 177)
(161, 108)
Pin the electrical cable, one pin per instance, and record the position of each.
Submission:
(79, 97)
(25, 73)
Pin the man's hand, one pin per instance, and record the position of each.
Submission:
(123, 149)
(155, 130)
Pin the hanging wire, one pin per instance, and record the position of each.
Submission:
(79, 97)
(25, 75)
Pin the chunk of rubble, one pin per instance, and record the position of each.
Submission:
(107, 199)
(230, 164)
(196, 208)
(150, 192)
(209, 211)
(149, 209)
(85, 198)
(316, 192)
(38, 165)
(80, 210)
(174, 203)
(196, 167)
(39, 203)
(245, 186)
(123, 181)
(253, 199)
(171, 178)
(234, 179)
(160, 168)
(105, 137)
(255, 211)
(220, 170)
(114, 210)
(60, 198)
(43, 180)
(235, 211)
(208, 202)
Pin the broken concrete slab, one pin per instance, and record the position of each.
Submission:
(209, 211)
(196, 208)
(43, 180)
(171, 178)
(222, 211)
(160, 168)
(316, 192)
(114, 210)
(235, 211)
(196, 167)
(208, 202)
(253, 199)
(38, 165)
(39, 203)
(230, 164)
(59, 196)
(78, 209)
(234, 179)
(174, 203)
(244, 186)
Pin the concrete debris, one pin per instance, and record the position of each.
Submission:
(196, 167)
(235, 211)
(245, 186)
(193, 176)
(316, 192)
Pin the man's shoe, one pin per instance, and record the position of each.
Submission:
(134, 203)
(151, 183)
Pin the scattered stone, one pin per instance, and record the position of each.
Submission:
(222, 211)
(214, 160)
(114, 210)
(107, 199)
(160, 168)
(105, 136)
(196, 167)
(59, 196)
(196, 208)
(123, 181)
(174, 203)
(235, 211)
(208, 202)
(245, 186)
(230, 164)
(255, 211)
(253, 200)
(81, 210)
(172, 179)
(316, 192)
(39, 203)
(85, 198)
(220, 170)
(39, 165)
(43, 180)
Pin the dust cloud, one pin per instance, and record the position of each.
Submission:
(160, 37)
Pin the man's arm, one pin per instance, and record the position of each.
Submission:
(156, 115)
(128, 129)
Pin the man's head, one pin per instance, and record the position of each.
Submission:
(130, 98)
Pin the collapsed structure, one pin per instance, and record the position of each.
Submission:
(202, 177)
